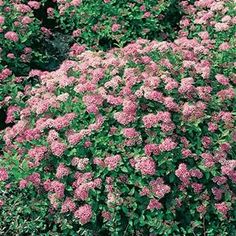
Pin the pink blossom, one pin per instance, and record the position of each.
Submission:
(62, 171)
(154, 204)
(222, 208)
(201, 209)
(3, 174)
(80, 163)
(226, 94)
(151, 148)
(224, 46)
(115, 27)
(2, 19)
(11, 36)
(76, 33)
(130, 132)
(68, 205)
(112, 161)
(183, 173)
(146, 165)
(221, 27)
(219, 180)
(206, 141)
(150, 120)
(196, 173)
(58, 188)
(159, 189)
(222, 79)
(106, 215)
(34, 178)
(208, 159)
(167, 145)
(124, 118)
(58, 148)
(147, 14)
(34, 4)
(212, 127)
(217, 193)
(197, 187)
(84, 213)
(75, 3)
(76, 49)
(23, 184)
(23, 8)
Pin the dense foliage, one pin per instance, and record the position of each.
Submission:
(107, 23)
(138, 140)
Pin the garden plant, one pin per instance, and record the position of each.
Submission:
(134, 133)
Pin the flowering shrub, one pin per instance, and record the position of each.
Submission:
(138, 140)
(108, 23)
(18, 28)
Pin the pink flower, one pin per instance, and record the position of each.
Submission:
(50, 12)
(224, 46)
(11, 36)
(201, 209)
(82, 192)
(76, 33)
(206, 141)
(130, 132)
(23, 8)
(62, 171)
(159, 189)
(212, 127)
(222, 79)
(34, 4)
(80, 163)
(52, 136)
(75, 3)
(221, 27)
(197, 187)
(68, 205)
(23, 183)
(217, 193)
(3, 174)
(2, 19)
(167, 145)
(115, 27)
(11, 55)
(154, 204)
(222, 208)
(196, 173)
(76, 49)
(106, 215)
(147, 14)
(208, 159)
(58, 148)
(183, 173)
(58, 188)
(84, 213)
(123, 118)
(151, 148)
(34, 178)
(26, 20)
(112, 161)
(150, 120)
(146, 165)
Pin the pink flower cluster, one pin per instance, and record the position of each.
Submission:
(84, 213)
